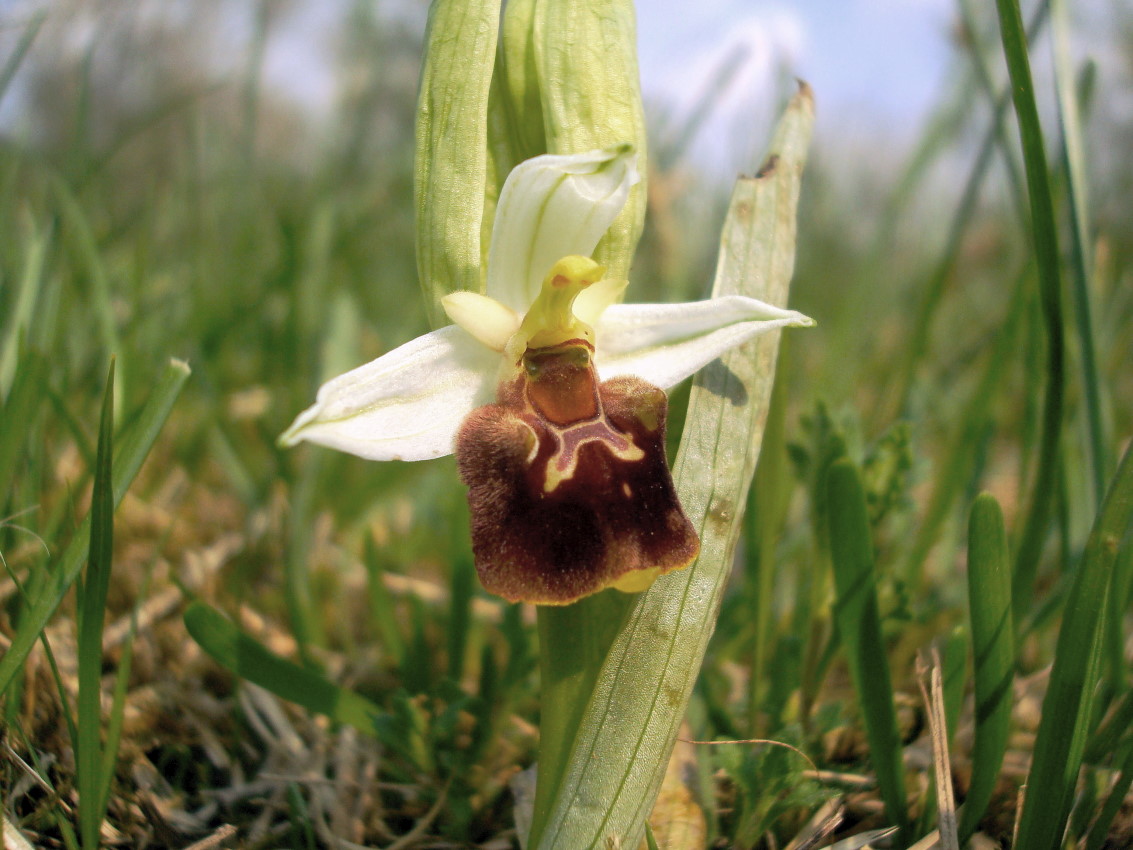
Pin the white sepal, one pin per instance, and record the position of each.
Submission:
(665, 343)
(551, 207)
(407, 404)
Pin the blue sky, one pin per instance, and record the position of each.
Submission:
(877, 62)
(880, 61)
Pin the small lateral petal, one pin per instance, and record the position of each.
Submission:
(666, 343)
(592, 302)
(486, 319)
(407, 404)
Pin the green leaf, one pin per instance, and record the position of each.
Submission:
(92, 616)
(859, 625)
(451, 164)
(616, 758)
(132, 450)
(249, 659)
(1069, 697)
(989, 600)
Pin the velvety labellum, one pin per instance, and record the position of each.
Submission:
(568, 486)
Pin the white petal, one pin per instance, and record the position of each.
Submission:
(665, 343)
(489, 321)
(406, 405)
(550, 207)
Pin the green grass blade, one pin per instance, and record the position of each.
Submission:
(1120, 600)
(463, 582)
(383, 611)
(251, 660)
(962, 449)
(961, 220)
(8, 72)
(12, 703)
(305, 622)
(18, 416)
(1106, 738)
(1096, 840)
(1066, 708)
(87, 248)
(999, 99)
(132, 450)
(955, 676)
(767, 509)
(608, 783)
(92, 618)
(1045, 239)
(859, 625)
(1074, 162)
(117, 718)
(650, 840)
(300, 817)
(989, 598)
(27, 293)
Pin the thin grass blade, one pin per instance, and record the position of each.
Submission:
(463, 581)
(92, 617)
(962, 450)
(81, 231)
(1117, 723)
(383, 612)
(1113, 803)
(19, 321)
(251, 660)
(960, 221)
(989, 600)
(132, 450)
(1074, 162)
(767, 509)
(859, 625)
(18, 415)
(1045, 238)
(955, 676)
(8, 72)
(1069, 698)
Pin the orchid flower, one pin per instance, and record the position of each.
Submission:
(550, 392)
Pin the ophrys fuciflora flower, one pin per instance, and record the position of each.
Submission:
(550, 392)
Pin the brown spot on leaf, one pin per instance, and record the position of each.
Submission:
(768, 167)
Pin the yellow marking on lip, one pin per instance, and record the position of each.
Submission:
(563, 462)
